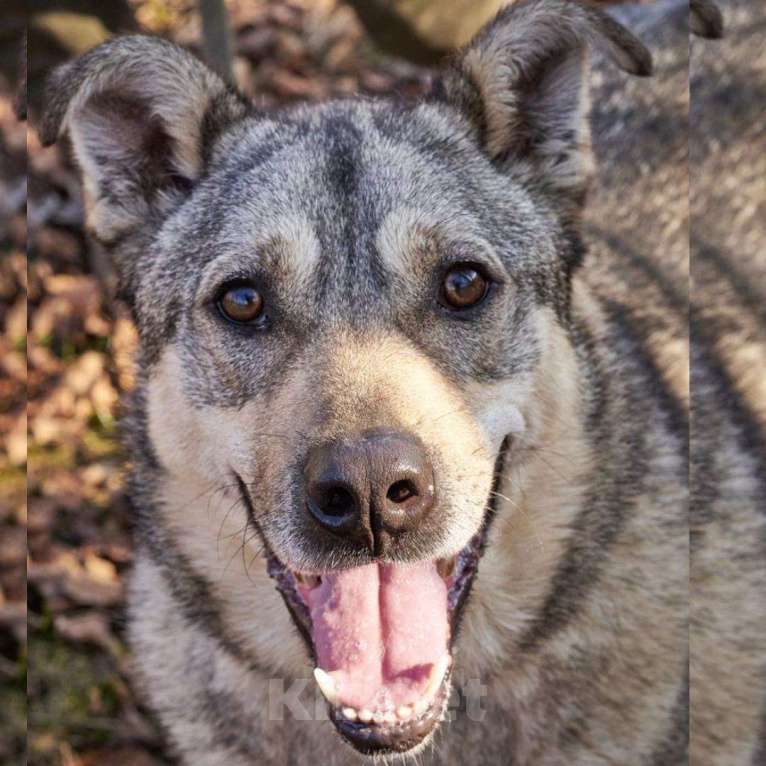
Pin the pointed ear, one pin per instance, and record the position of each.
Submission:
(522, 83)
(143, 116)
(705, 19)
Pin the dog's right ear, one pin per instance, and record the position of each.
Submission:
(522, 84)
(705, 19)
(143, 116)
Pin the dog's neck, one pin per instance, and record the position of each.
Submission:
(544, 487)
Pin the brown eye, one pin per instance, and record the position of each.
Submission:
(464, 286)
(241, 303)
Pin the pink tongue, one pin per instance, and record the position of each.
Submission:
(379, 629)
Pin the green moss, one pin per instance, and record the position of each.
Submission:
(75, 694)
(13, 479)
(13, 708)
(41, 459)
(46, 341)
(100, 440)
(97, 343)
(13, 722)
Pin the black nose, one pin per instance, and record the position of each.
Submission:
(370, 489)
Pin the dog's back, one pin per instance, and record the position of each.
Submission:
(728, 383)
(677, 228)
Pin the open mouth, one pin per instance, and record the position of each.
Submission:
(381, 636)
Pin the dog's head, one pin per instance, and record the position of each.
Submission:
(353, 318)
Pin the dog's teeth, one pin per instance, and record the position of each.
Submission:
(390, 717)
(420, 707)
(350, 713)
(327, 685)
(446, 567)
(436, 676)
(404, 712)
(365, 715)
(378, 717)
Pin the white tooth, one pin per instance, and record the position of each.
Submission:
(420, 707)
(436, 676)
(350, 713)
(404, 712)
(365, 715)
(378, 717)
(390, 717)
(327, 685)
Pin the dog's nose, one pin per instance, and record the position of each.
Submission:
(371, 488)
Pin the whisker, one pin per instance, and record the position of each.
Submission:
(223, 522)
(245, 541)
(495, 493)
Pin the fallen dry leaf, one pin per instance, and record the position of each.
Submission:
(89, 628)
(117, 757)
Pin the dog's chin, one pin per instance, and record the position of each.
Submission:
(381, 636)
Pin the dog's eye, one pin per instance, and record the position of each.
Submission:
(241, 303)
(465, 285)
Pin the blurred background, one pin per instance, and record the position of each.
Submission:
(65, 363)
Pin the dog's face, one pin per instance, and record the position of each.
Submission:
(370, 273)
(351, 318)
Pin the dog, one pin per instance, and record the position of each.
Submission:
(393, 425)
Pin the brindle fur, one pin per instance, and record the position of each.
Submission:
(578, 623)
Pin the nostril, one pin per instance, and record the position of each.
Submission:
(369, 489)
(401, 491)
(337, 501)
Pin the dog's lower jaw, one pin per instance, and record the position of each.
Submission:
(391, 734)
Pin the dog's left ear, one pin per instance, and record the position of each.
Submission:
(522, 83)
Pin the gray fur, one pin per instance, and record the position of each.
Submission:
(345, 215)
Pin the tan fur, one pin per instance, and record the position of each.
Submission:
(538, 496)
